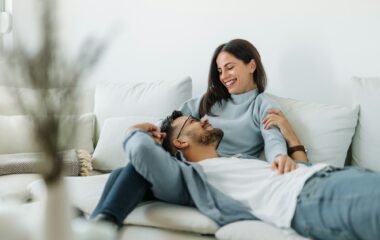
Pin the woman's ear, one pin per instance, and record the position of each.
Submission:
(180, 144)
(252, 65)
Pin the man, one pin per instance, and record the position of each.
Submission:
(170, 180)
(319, 201)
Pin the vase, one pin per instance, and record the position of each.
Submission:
(58, 212)
(12, 222)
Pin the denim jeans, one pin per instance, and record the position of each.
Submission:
(340, 204)
(124, 190)
(146, 177)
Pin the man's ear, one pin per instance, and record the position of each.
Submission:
(180, 144)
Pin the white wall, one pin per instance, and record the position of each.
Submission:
(310, 49)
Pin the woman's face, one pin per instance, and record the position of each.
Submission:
(234, 74)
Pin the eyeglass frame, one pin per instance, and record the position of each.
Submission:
(184, 124)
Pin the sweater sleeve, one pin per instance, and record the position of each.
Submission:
(274, 142)
(157, 166)
(191, 107)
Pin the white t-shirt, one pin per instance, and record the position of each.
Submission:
(270, 196)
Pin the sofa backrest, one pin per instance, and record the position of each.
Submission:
(17, 129)
(326, 130)
(366, 142)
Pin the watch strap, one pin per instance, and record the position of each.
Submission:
(297, 148)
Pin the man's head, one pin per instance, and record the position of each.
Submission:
(183, 132)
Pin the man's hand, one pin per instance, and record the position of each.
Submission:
(157, 135)
(284, 164)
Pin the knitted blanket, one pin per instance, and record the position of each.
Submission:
(75, 163)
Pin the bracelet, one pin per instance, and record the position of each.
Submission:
(297, 148)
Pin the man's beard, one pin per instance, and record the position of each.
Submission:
(211, 137)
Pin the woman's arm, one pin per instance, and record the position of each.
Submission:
(276, 118)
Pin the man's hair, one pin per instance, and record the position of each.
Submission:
(166, 127)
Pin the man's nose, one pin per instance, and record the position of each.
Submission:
(204, 121)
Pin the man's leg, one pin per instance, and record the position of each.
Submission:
(343, 204)
(124, 190)
(107, 188)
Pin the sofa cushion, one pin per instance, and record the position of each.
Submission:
(250, 230)
(143, 233)
(21, 221)
(171, 216)
(14, 186)
(155, 99)
(109, 153)
(325, 130)
(365, 146)
(18, 134)
(85, 193)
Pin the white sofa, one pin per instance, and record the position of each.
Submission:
(326, 130)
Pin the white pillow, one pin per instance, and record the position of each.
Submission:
(325, 130)
(109, 153)
(139, 99)
(366, 143)
(83, 99)
(17, 134)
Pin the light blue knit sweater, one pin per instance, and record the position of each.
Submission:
(241, 120)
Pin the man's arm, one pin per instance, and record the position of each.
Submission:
(156, 165)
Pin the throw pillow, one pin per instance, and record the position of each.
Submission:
(139, 99)
(75, 163)
(17, 135)
(109, 153)
(83, 98)
(325, 130)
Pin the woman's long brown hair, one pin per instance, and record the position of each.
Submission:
(216, 91)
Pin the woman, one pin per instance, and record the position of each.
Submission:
(233, 102)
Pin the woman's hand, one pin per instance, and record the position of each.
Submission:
(276, 118)
(157, 135)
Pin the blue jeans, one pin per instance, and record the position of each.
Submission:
(124, 190)
(340, 204)
(126, 187)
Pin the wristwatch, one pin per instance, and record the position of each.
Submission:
(297, 148)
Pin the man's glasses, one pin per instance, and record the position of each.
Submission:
(184, 124)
